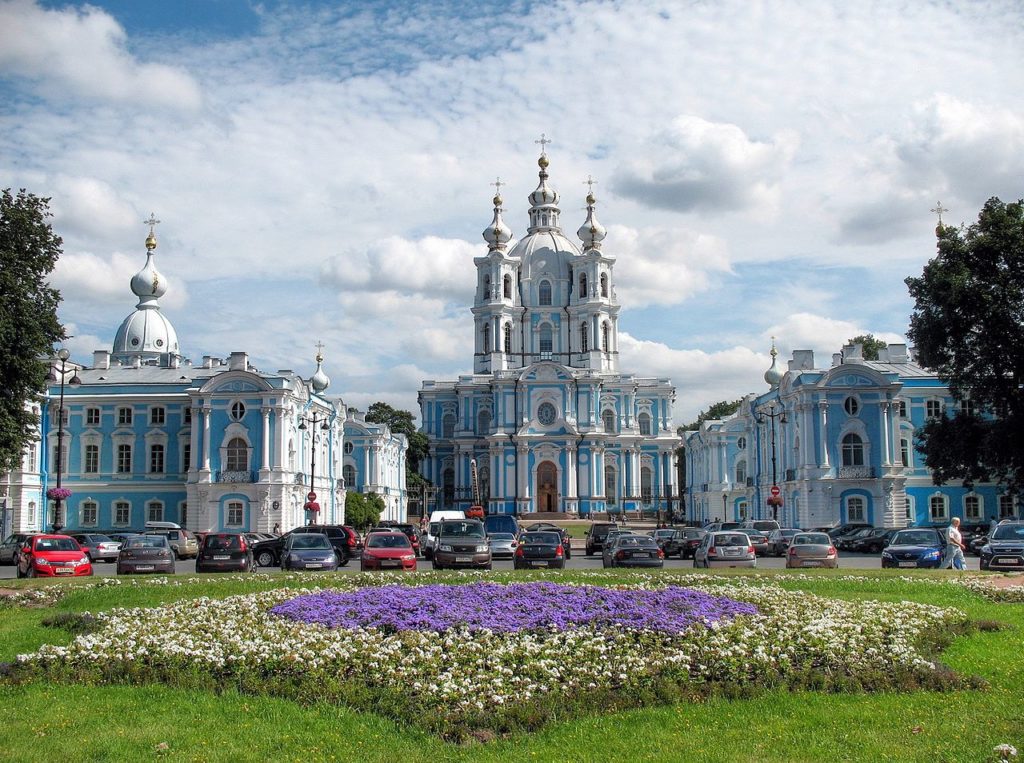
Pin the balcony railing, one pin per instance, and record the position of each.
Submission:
(856, 472)
(236, 476)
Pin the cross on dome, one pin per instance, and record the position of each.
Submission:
(939, 209)
(543, 143)
(319, 351)
(151, 238)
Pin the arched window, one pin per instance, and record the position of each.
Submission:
(507, 286)
(546, 344)
(348, 473)
(856, 509)
(937, 507)
(741, 472)
(483, 422)
(584, 338)
(853, 450)
(646, 493)
(608, 417)
(238, 455)
(448, 425)
(605, 331)
(583, 285)
(508, 338)
(604, 284)
(448, 486)
(545, 292)
(609, 485)
(644, 421)
(486, 338)
(487, 287)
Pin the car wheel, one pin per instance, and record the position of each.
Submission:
(488, 568)
(343, 559)
(31, 571)
(265, 559)
(437, 566)
(590, 551)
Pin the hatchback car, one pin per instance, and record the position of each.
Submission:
(634, 551)
(669, 540)
(778, 540)
(691, 538)
(12, 546)
(540, 549)
(308, 551)
(183, 543)
(503, 545)
(100, 548)
(144, 554)
(915, 547)
(727, 548)
(1005, 548)
(811, 550)
(225, 552)
(54, 556)
(387, 550)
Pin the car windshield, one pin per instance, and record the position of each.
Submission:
(434, 528)
(223, 542)
(664, 533)
(542, 539)
(807, 539)
(388, 540)
(731, 539)
(56, 544)
(310, 540)
(766, 526)
(462, 529)
(916, 538)
(147, 541)
(694, 533)
(501, 536)
(1009, 532)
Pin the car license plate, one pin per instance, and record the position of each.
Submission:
(221, 557)
(641, 555)
(908, 564)
(144, 567)
(313, 565)
(812, 562)
(63, 570)
(539, 564)
(1006, 560)
(463, 559)
(389, 563)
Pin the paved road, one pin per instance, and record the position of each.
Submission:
(577, 562)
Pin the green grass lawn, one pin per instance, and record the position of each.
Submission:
(125, 723)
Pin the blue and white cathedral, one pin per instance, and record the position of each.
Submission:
(550, 421)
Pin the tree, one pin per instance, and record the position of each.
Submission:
(29, 326)
(870, 344)
(401, 422)
(719, 410)
(967, 326)
(363, 511)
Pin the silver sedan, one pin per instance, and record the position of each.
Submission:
(503, 545)
(727, 548)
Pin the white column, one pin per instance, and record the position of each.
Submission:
(195, 441)
(206, 439)
(570, 472)
(267, 445)
(524, 475)
(823, 407)
(885, 434)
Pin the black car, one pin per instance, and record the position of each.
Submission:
(539, 549)
(692, 537)
(596, 534)
(873, 542)
(562, 533)
(225, 552)
(634, 551)
(846, 530)
(846, 541)
(344, 539)
(1005, 548)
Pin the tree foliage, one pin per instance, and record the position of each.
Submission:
(719, 410)
(363, 511)
(402, 422)
(29, 326)
(967, 326)
(870, 344)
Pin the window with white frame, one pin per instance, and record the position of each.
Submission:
(237, 411)
(967, 407)
(972, 507)
(156, 458)
(183, 514)
(154, 511)
(348, 473)
(546, 342)
(236, 514)
(91, 464)
(609, 485)
(507, 287)
(124, 459)
(124, 416)
(348, 447)
(507, 338)
(938, 508)
(905, 452)
(122, 512)
(90, 513)
(61, 457)
(157, 415)
(605, 334)
(486, 288)
(483, 421)
(741, 472)
(910, 508)
(485, 338)
(188, 415)
(644, 422)
(448, 425)
(646, 478)
(92, 417)
(933, 409)
(902, 408)
(544, 293)
(1006, 506)
(853, 450)
(608, 418)
(851, 405)
(604, 284)
(584, 338)
(237, 455)
(856, 509)
(186, 456)
(583, 285)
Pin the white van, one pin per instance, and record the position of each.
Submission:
(427, 541)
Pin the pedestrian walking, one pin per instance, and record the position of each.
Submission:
(277, 528)
(954, 557)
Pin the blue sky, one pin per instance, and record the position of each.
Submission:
(322, 170)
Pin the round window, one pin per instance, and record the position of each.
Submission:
(237, 411)
(159, 342)
(348, 448)
(135, 341)
(851, 405)
(546, 414)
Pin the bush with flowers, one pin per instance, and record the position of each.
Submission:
(483, 655)
(58, 493)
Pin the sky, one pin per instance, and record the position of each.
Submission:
(322, 170)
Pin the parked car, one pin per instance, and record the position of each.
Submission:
(845, 541)
(99, 548)
(712, 527)
(151, 552)
(758, 540)
(778, 540)
(1005, 548)
(387, 550)
(540, 548)
(183, 543)
(411, 532)
(873, 542)
(843, 530)
(634, 551)
(502, 523)
(811, 550)
(596, 534)
(669, 540)
(562, 533)
(12, 546)
(461, 543)
(763, 526)
(915, 547)
(226, 552)
(503, 545)
(120, 538)
(729, 548)
(692, 537)
(53, 556)
(344, 539)
(308, 551)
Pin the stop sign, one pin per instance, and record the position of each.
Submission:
(775, 490)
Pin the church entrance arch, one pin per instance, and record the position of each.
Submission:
(547, 486)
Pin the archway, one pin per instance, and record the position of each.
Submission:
(547, 487)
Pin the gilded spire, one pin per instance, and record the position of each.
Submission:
(497, 234)
(151, 238)
(591, 233)
(773, 376)
(319, 381)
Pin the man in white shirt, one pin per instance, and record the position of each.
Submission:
(954, 557)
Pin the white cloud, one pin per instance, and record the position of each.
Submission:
(73, 53)
(807, 331)
(93, 279)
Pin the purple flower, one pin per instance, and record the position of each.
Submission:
(511, 608)
(58, 493)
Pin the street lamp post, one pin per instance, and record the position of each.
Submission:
(58, 494)
(772, 414)
(311, 505)
(725, 502)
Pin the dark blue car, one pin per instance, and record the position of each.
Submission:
(915, 547)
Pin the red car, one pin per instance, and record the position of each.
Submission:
(387, 551)
(53, 556)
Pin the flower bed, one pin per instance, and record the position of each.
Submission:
(456, 677)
